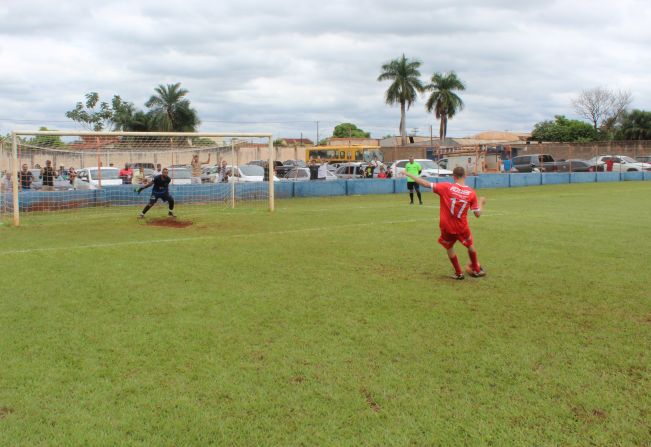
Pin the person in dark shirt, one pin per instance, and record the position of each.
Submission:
(161, 191)
(25, 178)
(48, 175)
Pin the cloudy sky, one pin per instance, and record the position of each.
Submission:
(281, 65)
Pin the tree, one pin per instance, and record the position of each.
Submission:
(635, 125)
(443, 101)
(171, 110)
(45, 140)
(103, 116)
(349, 130)
(601, 106)
(564, 130)
(405, 87)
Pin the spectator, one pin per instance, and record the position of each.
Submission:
(6, 184)
(223, 172)
(323, 171)
(139, 176)
(609, 164)
(25, 178)
(72, 177)
(48, 175)
(314, 170)
(63, 173)
(159, 170)
(382, 173)
(125, 174)
(196, 168)
(368, 171)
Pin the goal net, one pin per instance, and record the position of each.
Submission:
(49, 172)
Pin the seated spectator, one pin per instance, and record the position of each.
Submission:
(382, 173)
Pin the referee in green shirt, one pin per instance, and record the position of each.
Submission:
(413, 168)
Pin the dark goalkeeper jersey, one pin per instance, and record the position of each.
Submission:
(161, 184)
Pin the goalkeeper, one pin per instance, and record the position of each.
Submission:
(161, 191)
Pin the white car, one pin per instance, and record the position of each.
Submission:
(110, 176)
(246, 173)
(180, 176)
(621, 163)
(430, 168)
(303, 174)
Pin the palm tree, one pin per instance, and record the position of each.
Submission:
(443, 101)
(172, 112)
(405, 86)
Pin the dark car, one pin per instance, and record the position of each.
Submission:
(297, 163)
(539, 163)
(584, 166)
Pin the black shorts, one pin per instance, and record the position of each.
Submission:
(412, 185)
(165, 197)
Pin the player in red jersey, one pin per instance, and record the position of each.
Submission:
(456, 200)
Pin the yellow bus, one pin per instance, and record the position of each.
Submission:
(343, 154)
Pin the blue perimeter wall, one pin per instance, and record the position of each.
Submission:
(125, 195)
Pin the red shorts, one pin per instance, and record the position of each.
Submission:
(448, 239)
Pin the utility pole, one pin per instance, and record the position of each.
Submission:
(317, 134)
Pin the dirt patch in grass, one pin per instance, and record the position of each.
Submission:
(298, 379)
(588, 416)
(5, 411)
(370, 401)
(169, 222)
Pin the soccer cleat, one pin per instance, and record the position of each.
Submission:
(171, 214)
(475, 274)
(458, 276)
(141, 216)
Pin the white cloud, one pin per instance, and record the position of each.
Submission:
(280, 66)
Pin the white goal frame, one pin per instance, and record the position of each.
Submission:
(60, 133)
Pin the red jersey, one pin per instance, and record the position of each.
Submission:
(456, 200)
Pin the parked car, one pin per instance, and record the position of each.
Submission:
(136, 166)
(298, 163)
(350, 171)
(430, 168)
(643, 158)
(279, 168)
(621, 163)
(210, 174)
(303, 174)
(539, 163)
(246, 173)
(180, 176)
(110, 176)
(60, 184)
(583, 166)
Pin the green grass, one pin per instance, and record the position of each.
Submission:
(332, 322)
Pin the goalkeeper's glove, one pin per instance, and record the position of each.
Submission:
(138, 190)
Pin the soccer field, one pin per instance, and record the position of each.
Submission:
(332, 321)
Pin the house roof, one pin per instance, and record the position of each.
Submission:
(297, 141)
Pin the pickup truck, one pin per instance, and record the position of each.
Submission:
(539, 163)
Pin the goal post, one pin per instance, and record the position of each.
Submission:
(56, 171)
